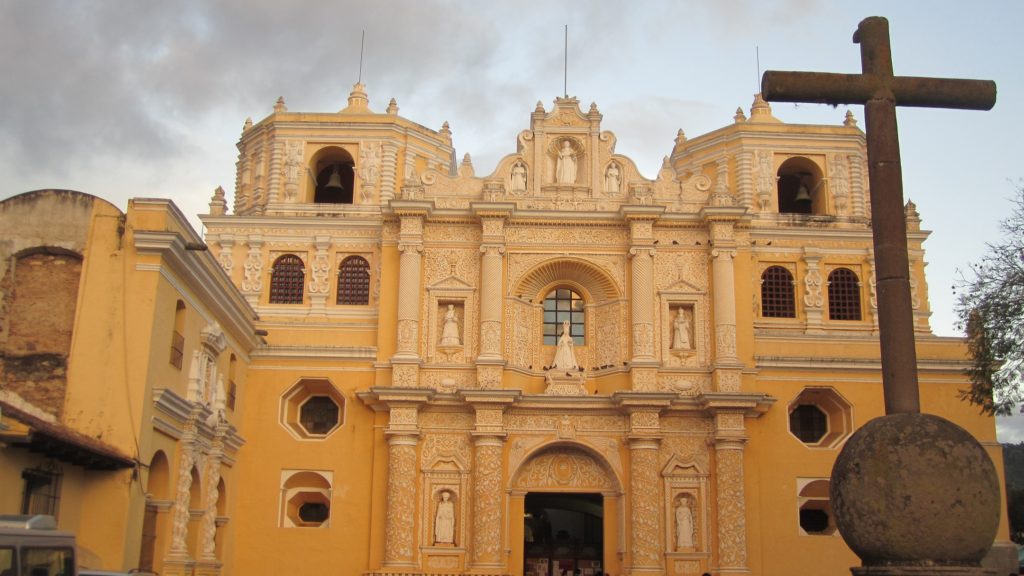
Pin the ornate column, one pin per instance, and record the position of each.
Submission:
(721, 220)
(813, 299)
(406, 362)
(490, 362)
(643, 363)
(732, 529)
(488, 449)
(646, 518)
(402, 435)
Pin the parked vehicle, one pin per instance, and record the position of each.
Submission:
(32, 546)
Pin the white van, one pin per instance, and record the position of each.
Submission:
(32, 546)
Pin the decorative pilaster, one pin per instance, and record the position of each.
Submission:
(224, 257)
(252, 284)
(405, 363)
(276, 171)
(745, 178)
(813, 298)
(388, 174)
(857, 191)
(208, 526)
(319, 278)
(732, 530)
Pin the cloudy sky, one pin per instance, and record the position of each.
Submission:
(128, 98)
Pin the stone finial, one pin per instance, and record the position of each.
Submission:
(446, 132)
(761, 111)
(593, 108)
(218, 205)
(912, 215)
(466, 167)
(392, 107)
(248, 124)
(358, 101)
(279, 105)
(680, 137)
(540, 107)
(850, 120)
(665, 163)
(740, 117)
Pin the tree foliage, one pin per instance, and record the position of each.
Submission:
(991, 311)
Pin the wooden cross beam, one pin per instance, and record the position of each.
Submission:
(880, 92)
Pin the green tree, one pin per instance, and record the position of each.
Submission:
(991, 311)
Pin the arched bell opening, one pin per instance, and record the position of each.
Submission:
(334, 171)
(801, 187)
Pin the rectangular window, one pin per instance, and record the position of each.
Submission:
(232, 394)
(42, 492)
(177, 349)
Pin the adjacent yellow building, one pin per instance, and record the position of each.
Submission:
(381, 362)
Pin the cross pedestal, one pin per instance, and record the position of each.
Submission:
(911, 493)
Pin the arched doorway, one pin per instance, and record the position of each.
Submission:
(566, 511)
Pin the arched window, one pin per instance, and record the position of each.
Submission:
(777, 299)
(354, 281)
(801, 187)
(560, 305)
(286, 280)
(843, 295)
(232, 386)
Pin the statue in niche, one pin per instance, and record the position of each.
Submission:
(681, 330)
(518, 177)
(684, 524)
(565, 170)
(444, 520)
(450, 329)
(565, 356)
(611, 179)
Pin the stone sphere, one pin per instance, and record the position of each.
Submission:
(909, 488)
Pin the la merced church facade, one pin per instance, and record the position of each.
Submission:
(384, 362)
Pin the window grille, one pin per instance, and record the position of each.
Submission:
(177, 349)
(41, 492)
(843, 295)
(560, 305)
(777, 297)
(354, 281)
(286, 280)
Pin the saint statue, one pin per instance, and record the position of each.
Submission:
(450, 330)
(565, 170)
(684, 525)
(518, 177)
(681, 331)
(565, 356)
(444, 521)
(611, 179)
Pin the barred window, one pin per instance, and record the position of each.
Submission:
(286, 280)
(561, 305)
(777, 298)
(41, 493)
(843, 295)
(354, 281)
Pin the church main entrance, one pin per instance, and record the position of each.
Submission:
(563, 534)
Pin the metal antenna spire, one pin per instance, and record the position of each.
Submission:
(757, 56)
(565, 65)
(362, 40)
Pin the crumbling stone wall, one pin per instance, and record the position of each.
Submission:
(40, 293)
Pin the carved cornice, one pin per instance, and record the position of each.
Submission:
(752, 405)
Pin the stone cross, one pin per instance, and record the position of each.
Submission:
(880, 92)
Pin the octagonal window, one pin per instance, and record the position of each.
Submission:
(808, 423)
(815, 509)
(306, 498)
(319, 415)
(312, 409)
(820, 417)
